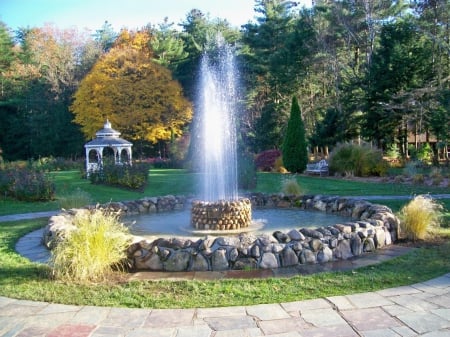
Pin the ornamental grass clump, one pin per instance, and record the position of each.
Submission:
(92, 251)
(76, 199)
(291, 186)
(420, 217)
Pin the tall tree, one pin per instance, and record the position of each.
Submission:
(295, 153)
(136, 94)
(400, 66)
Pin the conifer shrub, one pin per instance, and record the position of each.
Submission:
(93, 250)
(420, 217)
(295, 152)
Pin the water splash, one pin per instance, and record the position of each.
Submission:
(217, 107)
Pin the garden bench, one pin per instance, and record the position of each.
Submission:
(318, 168)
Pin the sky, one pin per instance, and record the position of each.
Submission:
(132, 14)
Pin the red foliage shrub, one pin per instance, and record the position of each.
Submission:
(265, 161)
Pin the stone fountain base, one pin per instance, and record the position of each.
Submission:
(221, 215)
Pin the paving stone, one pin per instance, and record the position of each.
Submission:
(150, 332)
(423, 322)
(254, 332)
(341, 302)
(286, 334)
(430, 289)
(413, 303)
(396, 310)
(368, 300)
(370, 319)
(405, 290)
(306, 305)
(266, 312)
(277, 326)
(59, 308)
(69, 330)
(404, 331)
(109, 331)
(90, 315)
(194, 331)
(322, 317)
(5, 301)
(442, 300)
(440, 333)
(230, 322)
(332, 331)
(444, 313)
(439, 282)
(221, 312)
(14, 309)
(165, 318)
(33, 332)
(380, 333)
(126, 318)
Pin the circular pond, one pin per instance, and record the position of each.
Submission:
(264, 221)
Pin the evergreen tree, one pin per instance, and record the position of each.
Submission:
(295, 154)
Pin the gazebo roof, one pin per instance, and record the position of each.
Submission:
(108, 137)
(108, 141)
(107, 131)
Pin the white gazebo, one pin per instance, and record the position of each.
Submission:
(107, 138)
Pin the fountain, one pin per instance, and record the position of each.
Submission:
(220, 207)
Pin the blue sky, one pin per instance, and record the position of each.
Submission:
(132, 14)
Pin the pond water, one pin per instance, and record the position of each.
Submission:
(177, 223)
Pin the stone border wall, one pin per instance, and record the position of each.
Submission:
(370, 226)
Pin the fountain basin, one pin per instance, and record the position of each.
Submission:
(370, 227)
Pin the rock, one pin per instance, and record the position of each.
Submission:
(311, 233)
(199, 263)
(380, 237)
(295, 235)
(268, 261)
(151, 262)
(356, 245)
(288, 257)
(255, 251)
(325, 255)
(177, 261)
(281, 237)
(245, 263)
(315, 245)
(234, 254)
(219, 260)
(307, 257)
(369, 245)
(343, 250)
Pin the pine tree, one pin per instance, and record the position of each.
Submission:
(295, 154)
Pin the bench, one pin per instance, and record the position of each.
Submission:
(318, 168)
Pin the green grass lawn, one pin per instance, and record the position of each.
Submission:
(181, 182)
(20, 278)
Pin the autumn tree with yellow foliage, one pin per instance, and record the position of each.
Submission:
(138, 96)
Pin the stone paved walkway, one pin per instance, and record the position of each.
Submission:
(421, 309)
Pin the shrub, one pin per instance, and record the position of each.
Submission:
(295, 153)
(133, 177)
(26, 185)
(265, 161)
(393, 153)
(77, 199)
(418, 178)
(420, 217)
(93, 250)
(411, 168)
(291, 186)
(359, 160)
